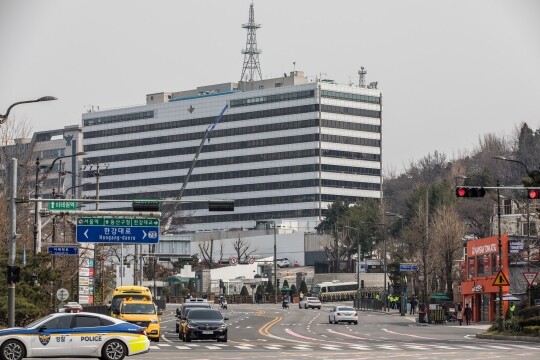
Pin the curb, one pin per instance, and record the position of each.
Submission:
(509, 337)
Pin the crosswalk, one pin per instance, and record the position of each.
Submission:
(204, 346)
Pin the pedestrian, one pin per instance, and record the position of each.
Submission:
(459, 315)
(301, 296)
(512, 309)
(413, 303)
(467, 314)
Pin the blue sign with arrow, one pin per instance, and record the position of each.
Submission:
(408, 267)
(63, 250)
(118, 230)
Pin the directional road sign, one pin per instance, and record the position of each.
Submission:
(118, 230)
(62, 205)
(63, 250)
(408, 267)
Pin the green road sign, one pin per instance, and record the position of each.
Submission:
(62, 205)
(117, 221)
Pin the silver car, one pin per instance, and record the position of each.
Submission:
(343, 314)
(310, 302)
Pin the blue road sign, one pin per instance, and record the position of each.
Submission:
(408, 267)
(64, 250)
(118, 230)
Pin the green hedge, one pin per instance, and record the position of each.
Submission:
(534, 321)
(529, 312)
(532, 330)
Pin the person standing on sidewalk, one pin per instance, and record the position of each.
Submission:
(459, 314)
(414, 302)
(467, 313)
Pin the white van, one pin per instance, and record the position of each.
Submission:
(282, 262)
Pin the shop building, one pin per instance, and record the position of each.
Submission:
(480, 270)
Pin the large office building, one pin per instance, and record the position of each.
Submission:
(286, 148)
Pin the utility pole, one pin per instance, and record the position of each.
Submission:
(12, 237)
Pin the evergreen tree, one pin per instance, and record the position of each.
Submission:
(285, 283)
(293, 289)
(303, 287)
(244, 291)
(269, 287)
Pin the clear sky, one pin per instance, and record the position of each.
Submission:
(450, 71)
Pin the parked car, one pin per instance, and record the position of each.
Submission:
(75, 335)
(310, 302)
(204, 324)
(343, 314)
(282, 262)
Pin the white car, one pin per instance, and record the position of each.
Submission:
(343, 314)
(310, 302)
(283, 262)
(74, 335)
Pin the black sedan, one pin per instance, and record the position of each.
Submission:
(205, 324)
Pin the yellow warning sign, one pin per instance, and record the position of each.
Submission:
(500, 279)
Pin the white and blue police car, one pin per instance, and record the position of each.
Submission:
(74, 335)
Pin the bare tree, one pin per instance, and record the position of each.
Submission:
(448, 232)
(242, 248)
(206, 249)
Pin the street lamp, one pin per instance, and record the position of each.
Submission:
(37, 203)
(534, 174)
(3, 118)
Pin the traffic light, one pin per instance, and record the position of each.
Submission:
(13, 274)
(145, 205)
(533, 194)
(224, 205)
(470, 192)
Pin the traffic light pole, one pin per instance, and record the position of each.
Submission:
(12, 242)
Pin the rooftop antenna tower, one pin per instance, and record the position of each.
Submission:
(362, 80)
(251, 53)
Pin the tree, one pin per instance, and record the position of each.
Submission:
(244, 291)
(242, 249)
(206, 249)
(269, 287)
(448, 232)
(294, 291)
(285, 283)
(335, 211)
(303, 287)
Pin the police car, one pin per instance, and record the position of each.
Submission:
(74, 335)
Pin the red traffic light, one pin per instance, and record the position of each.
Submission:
(533, 194)
(470, 192)
(461, 192)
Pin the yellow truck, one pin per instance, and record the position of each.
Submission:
(142, 312)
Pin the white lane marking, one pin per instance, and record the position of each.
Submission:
(244, 347)
(182, 347)
(212, 347)
(410, 335)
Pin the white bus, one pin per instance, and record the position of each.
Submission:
(335, 290)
